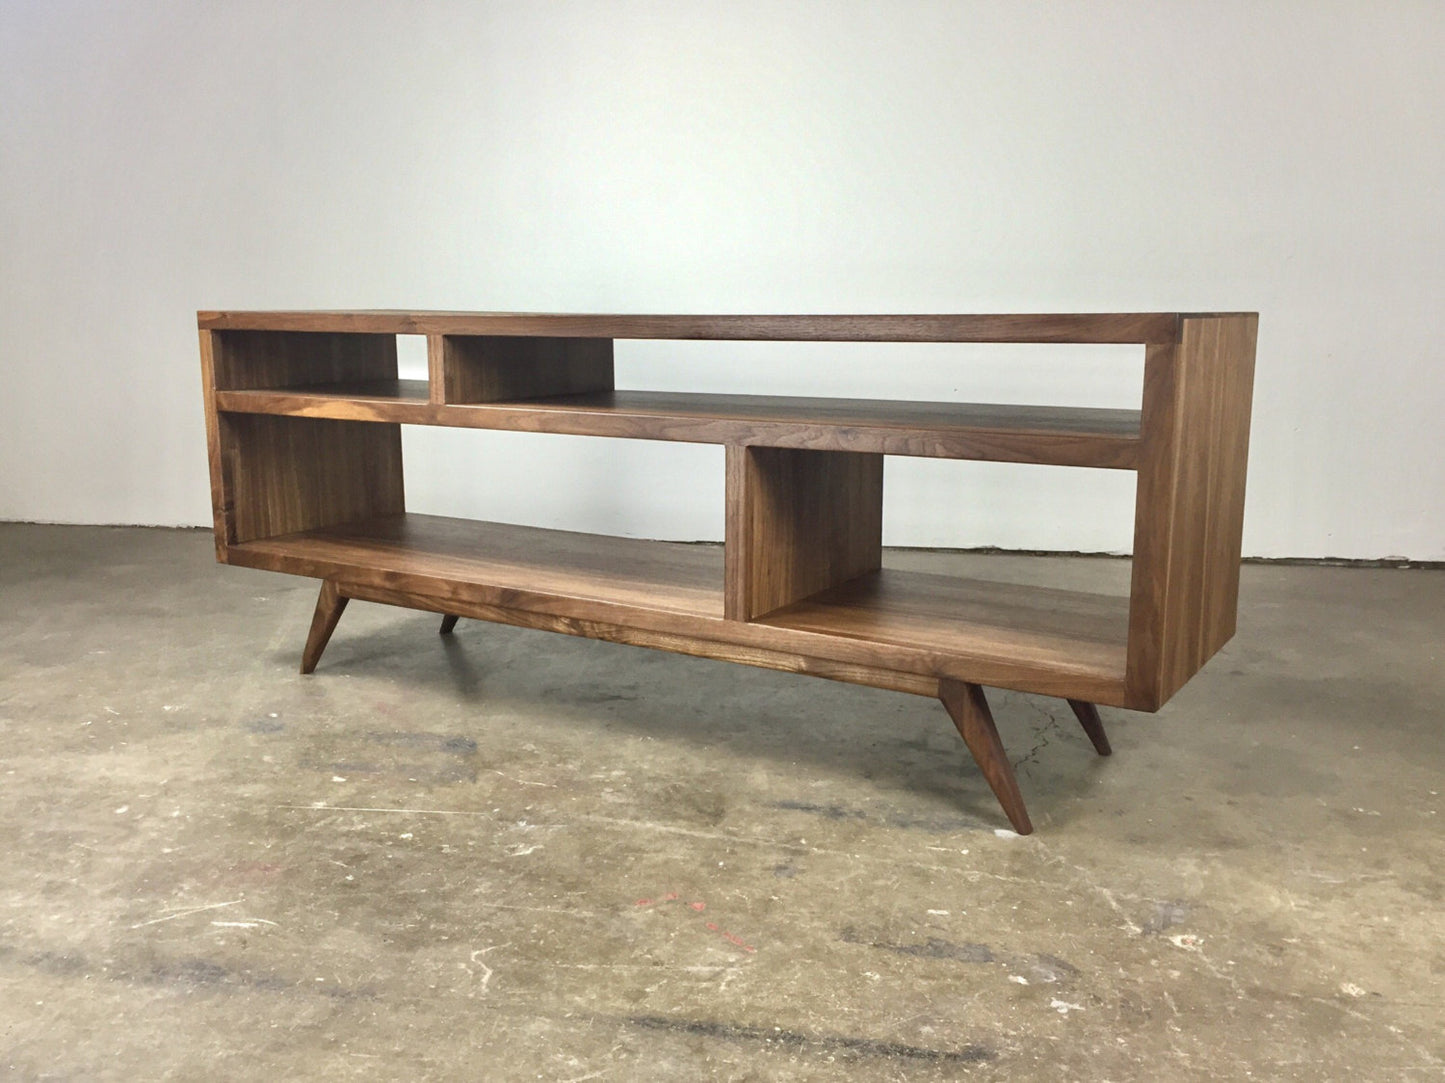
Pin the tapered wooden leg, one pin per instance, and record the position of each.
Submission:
(1088, 716)
(329, 606)
(968, 708)
(449, 621)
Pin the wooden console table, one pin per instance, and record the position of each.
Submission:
(303, 420)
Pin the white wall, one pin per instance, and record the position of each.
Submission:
(160, 157)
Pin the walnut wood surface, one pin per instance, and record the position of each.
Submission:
(258, 359)
(1066, 436)
(925, 625)
(1190, 502)
(1054, 632)
(1088, 716)
(797, 523)
(303, 415)
(968, 707)
(640, 637)
(1031, 327)
(284, 474)
(490, 368)
(330, 604)
(222, 502)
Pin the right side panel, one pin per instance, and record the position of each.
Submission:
(1190, 504)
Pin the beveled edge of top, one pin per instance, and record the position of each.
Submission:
(1094, 327)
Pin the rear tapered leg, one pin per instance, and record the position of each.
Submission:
(329, 606)
(968, 708)
(1088, 716)
(449, 621)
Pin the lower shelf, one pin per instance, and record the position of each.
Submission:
(1007, 623)
(502, 564)
(1035, 639)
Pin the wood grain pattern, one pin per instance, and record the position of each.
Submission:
(676, 589)
(1065, 436)
(1190, 503)
(490, 368)
(1097, 327)
(272, 359)
(436, 370)
(330, 604)
(504, 564)
(968, 707)
(303, 435)
(1063, 636)
(797, 523)
(641, 637)
(223, 510)
(1088, 716)
(284, 474)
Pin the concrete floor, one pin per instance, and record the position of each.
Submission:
(513, 856)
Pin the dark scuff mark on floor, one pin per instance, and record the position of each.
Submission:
(828, 812)
(427, 742)
(932, 948)
(1040, 966)
(1166, 915)
(821, 1043)
(191, 973)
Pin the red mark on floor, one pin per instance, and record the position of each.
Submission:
(699, 906)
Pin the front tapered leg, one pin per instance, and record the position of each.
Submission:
(968, 708)
(329, 606)
(449, 621)
(1088, 716)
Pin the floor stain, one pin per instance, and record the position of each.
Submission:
(194, 973)
(821, 1043)
(1039, 966)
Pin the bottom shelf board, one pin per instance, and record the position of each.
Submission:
(1016, 624)
(1005, 634)
(673, 577)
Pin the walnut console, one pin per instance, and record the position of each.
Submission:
(303, 420)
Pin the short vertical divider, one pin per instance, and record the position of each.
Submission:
(798, 521)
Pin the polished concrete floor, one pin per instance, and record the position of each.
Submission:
(510, 855)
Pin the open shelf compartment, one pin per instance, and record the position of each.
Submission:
(304, 372)
(502, 564)
(589, 584)
(974, 625)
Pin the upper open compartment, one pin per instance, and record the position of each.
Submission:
(281, 372)
(548, 373)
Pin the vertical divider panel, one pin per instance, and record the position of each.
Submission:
(498, 368)
(798, 521)
(1189, 508)
(436, 372)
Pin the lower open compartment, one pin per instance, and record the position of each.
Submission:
(557, 571)
(806, 562)
(802, 583)
(887, 622)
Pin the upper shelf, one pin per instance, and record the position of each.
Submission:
(1057, 435)
(1092, 327)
